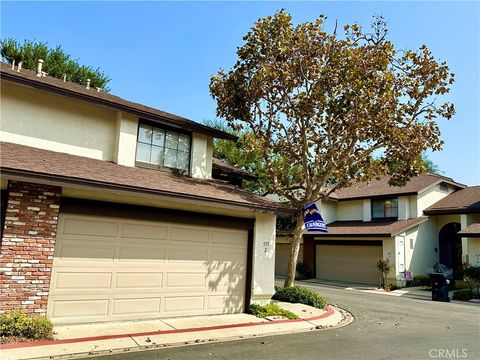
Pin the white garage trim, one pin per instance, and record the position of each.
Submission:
(109, 269)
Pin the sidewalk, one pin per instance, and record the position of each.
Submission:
(98, 339)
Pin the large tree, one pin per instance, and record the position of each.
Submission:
(56, 62)
(329, 110)
(241, 153)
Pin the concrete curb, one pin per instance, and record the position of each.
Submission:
(345, 319)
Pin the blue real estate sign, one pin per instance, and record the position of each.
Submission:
(312, 219)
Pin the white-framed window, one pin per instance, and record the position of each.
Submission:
(385, 208)
(161, 147)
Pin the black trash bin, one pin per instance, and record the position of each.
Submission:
(439, 287)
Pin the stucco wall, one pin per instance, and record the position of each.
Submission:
(424, 239)
(473, 249)
(430, 197)
(48, 121)
(126, 139)
(403, 208)
(328, 210)
(263, 258)
(350, 210)
(389, 253)
(201, 162)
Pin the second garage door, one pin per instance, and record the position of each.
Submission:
(108, 269)
(348, 263)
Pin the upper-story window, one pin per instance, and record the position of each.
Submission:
(163, 148)
(384, 208)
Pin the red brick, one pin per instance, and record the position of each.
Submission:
(18, 246)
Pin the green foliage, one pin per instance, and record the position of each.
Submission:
(463, 295)
(270, 309)
(242, 154)
(56, 62)
(297, 294)
(472, 276)
(328, 110)
(419, 280)
(18, 324)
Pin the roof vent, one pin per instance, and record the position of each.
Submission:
(88, 84)
(39, 68)
(64, 77)
(19, 67)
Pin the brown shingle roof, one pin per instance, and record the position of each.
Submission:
(51, 84)
(381, 187)
(24, 160)
(463, 201)
(223, 167)
(370, 228)
(472, 230)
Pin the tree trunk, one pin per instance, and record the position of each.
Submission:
(292, 260)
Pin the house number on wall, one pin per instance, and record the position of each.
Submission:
(266, 244)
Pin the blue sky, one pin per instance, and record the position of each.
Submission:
(163, 53)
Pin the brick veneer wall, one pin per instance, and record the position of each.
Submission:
(28, 242)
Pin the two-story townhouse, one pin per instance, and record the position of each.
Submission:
(109, 210)
(369, 221)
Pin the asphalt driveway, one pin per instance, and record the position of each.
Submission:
(385, 327)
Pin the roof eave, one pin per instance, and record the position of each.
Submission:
(103, 185)
(451, 211)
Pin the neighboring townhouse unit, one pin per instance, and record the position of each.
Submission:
(110, 212)
(415, 226)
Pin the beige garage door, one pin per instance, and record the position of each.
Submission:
(348, 263)
(282, 254)
(106, 269)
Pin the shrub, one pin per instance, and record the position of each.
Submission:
(384, 266)
(463, 295)
(18, 324)
(303, 271)
(472, 276)
(270, 309)
(297, 294)
(391, 287)
(419, 280)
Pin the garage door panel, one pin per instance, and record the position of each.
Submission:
(192, 256)
(133, 280)
(189, 234)
(73, 251)
(86, 227)
(225, 282)
(229, 237)
(227, 255)
(148, 270)
(136, 306)
(185, 279)
(348, 263)
(80, 308)
(83, 280)
(226, 304)
(144, 231)
(184, 304)
(141, 253)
